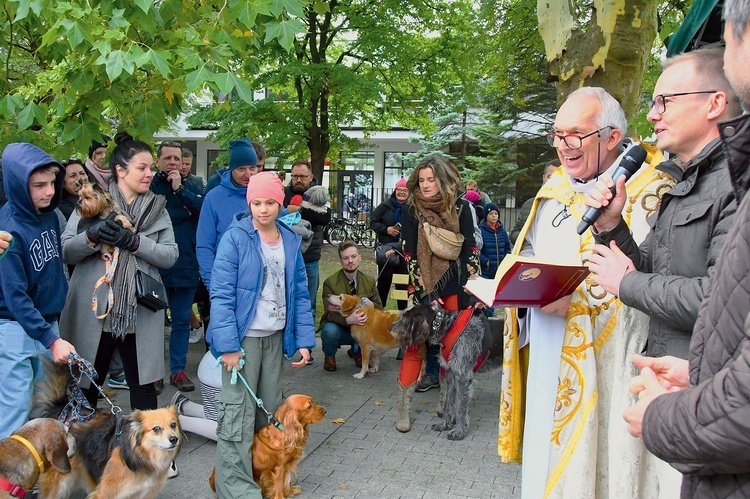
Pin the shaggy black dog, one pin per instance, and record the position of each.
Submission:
(423, 323)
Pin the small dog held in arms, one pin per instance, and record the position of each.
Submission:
(276, 452)
(478, 348)
(35, 448)
(121, 459)
(95, 202)
(374, 337)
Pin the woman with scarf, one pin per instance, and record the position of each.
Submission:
(434, 198)
(96, 170)
(386, 223)
(136, 331)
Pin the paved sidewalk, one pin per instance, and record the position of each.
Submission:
(365, 457)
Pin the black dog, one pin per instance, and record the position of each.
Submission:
(421, 324)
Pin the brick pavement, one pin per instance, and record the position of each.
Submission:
(365, 457)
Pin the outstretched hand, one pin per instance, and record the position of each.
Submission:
(305, 352)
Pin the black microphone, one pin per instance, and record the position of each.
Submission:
(630, 164)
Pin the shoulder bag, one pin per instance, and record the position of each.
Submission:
(149, 292)
(443, 242)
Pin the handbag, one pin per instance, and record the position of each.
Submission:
(443, 242)
(149, 292)
(391, 261)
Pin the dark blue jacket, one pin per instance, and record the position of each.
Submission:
(496, 246)
(32, 278)
(237, 282)
(184, 208)
(213, 182)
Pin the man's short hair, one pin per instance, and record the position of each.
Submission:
(303, 162)
(738, 12)
(611, 113)
(472, 183)
(260, 151)
(709, 66)
(345, 245)
(187, 153)
(167, 143)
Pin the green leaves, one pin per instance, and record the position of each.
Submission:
(283, 31)
(29, 114)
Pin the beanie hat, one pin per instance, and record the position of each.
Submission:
(95, 144)
(490, 207)
(242, 153)
(401, 184)
(318, 195)
(472, 196)
(265, 185)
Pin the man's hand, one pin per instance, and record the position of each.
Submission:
(672, 372)
(60, 350)
(231, 360)
(393, 231)
(357, 318)
(305, 352)
(5, 239)
(292, 208)
(609, 266)
(175, 178)
(558, 307)
(651, 389)
(600, 196)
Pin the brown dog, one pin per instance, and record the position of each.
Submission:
(20, 467)
(276, 453)
(374, 336)
(94, 202)
(132, 462)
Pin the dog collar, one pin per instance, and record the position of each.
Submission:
(437, 320)
(33, 451)
(12, 489)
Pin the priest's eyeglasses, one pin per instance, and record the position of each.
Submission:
(572, 141)
(659, 102)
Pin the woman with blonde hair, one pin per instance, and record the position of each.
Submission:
(434, 198)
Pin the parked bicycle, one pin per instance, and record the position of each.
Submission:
(357, 230)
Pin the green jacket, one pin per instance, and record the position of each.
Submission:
(338, 284)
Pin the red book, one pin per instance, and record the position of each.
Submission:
(527, 282)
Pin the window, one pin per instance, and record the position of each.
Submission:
(396, 166)
(358, 161)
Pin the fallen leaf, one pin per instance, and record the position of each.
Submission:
(378, 402)
(338, 421)
(342, 486)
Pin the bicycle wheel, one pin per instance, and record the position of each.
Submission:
(336, 235)
(368, 238)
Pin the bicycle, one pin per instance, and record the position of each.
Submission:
(358, 231)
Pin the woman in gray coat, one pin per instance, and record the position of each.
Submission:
(125, 325)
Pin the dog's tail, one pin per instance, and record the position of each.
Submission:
(50, 395)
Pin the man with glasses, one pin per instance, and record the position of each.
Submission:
(667, 276)
(302, 180)
(570, 355)
(184, 202)
(335, 328)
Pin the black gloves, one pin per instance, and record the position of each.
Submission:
(93, 233)
(114, 234)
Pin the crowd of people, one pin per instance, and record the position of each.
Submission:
(657, 335)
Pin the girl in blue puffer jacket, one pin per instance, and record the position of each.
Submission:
(260, 311)
(496, 241)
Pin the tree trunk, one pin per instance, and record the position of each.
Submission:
(611, 52)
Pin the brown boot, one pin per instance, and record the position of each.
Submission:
(329, 364)
(357, 357)
(403, 422)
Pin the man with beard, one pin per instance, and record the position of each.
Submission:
(294, 195)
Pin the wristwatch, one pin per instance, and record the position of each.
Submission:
(179, 188)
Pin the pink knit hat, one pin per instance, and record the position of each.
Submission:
(401, 183)
(472, 196)
(265, 185)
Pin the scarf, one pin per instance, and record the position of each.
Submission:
(101, 176)
(145, 209)
(396, 209)
(434, 269)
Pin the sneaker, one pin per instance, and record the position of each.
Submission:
(428, 382)
(182, 382)
(310, 360)
(178, 399)
(159, 385)
(117, 381)
(196, 335)
(172, 471)
(356, 357)
(329, 364)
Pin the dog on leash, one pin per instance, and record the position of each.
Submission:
(374, 336)
(37, 447)
(95, 202)
(423, 323)
(276, 452)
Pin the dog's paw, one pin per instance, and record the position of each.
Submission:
(358, 375)
(456, 434)
(441, 426)
(295, 490)
(374, 369)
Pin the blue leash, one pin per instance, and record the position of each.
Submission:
(233, 380)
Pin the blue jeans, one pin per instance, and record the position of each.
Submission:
(180, 305)
(21, 365)
(313, 281)
(332, 336)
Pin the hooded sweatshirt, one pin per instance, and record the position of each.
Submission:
(32, 280)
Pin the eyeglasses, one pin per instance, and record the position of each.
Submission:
(572, 141)
(402, 190)
(659, 101)
(300, 177)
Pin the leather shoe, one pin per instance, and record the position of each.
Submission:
(329, 364)
(357, 357)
